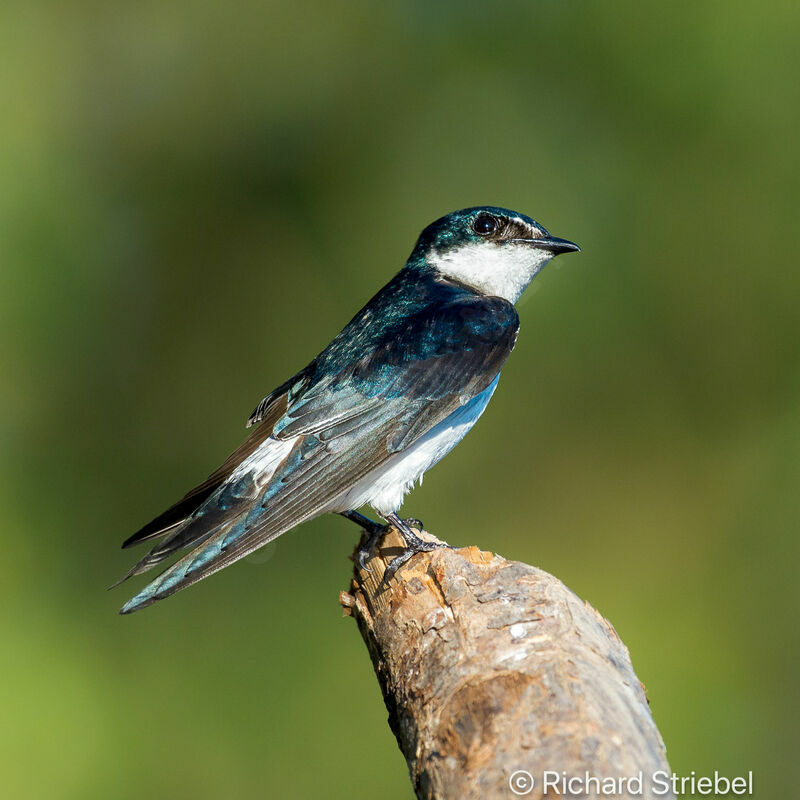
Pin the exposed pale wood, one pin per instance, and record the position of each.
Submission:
(489, 666)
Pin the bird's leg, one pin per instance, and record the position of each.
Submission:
(374, 532)
(413, 542)
(369, 525)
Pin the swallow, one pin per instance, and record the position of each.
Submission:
(388, 398)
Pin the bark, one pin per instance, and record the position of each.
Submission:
(489, 666)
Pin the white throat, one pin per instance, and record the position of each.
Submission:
(502, 270)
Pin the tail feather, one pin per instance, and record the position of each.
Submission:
(205, 549)
(173, 516)
(224, 504)
(269, 411)
(187, 535)
(309, 478)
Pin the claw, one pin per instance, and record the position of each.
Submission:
(374, 532)
(372, 529)
(365, 549)
(420, 546)
(395, 564)
(363, 555)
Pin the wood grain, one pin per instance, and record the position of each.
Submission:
(489, 666)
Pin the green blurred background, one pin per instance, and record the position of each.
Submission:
(196, 196)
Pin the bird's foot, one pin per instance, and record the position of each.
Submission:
(374, 531)
(367, 545)
(398, 561)
(374, 534)
(414, 544)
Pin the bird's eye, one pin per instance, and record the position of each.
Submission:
(485, 224)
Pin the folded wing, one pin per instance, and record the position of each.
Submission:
(335, 428)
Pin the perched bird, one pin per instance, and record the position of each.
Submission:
(390, 396)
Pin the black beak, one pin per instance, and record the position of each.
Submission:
(553, 244)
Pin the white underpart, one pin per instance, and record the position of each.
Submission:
(385, 487)
(264, 460)
(501, 270)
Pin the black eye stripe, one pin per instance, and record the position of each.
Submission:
(484, 224)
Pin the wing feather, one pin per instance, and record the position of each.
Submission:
(178, 513)
(344, 424)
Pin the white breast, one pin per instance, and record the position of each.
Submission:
(385, 488)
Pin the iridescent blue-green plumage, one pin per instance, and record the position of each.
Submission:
(417, 352)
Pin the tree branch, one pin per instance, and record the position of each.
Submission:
(490, 666)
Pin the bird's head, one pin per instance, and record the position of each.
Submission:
(492, 250)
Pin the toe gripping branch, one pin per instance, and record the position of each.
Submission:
(412, 544)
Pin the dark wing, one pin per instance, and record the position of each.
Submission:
(439, 360)
(346, 424)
